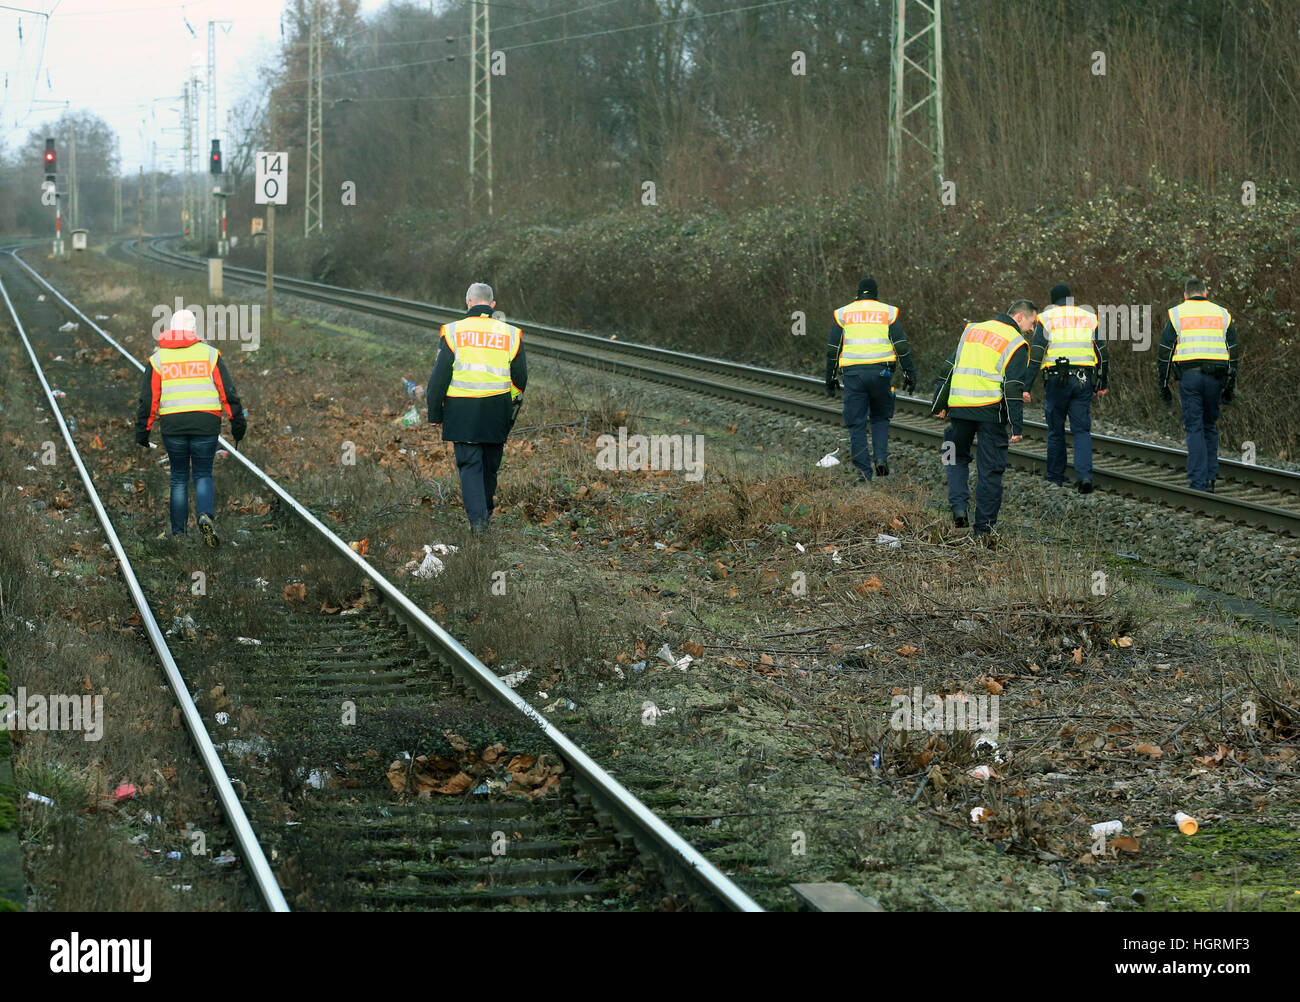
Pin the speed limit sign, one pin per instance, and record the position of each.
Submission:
(272, 179)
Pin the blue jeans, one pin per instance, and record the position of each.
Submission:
(991, 463)
(478, 463)
(868, 396)
(1200, 395)
(201, 450)
(1073, 400)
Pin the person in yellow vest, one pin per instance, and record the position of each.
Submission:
(188, 388)
(1198, 347)
(866, 344)
(1068, 341)
(981, 392)
(475, 392)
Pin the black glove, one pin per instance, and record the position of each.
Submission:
(1227, 393)
(142, 438)
(1166, 394)
(832, 384)
(515, 405)
(909, 382)
(238, 431)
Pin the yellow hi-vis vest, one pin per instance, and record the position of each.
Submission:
(1202, 329)
(982, 356)
(186, 378)
(1069, 335)
(483, 349)
(866, 332)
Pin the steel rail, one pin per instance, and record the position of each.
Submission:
(606, 791)
(249, 846)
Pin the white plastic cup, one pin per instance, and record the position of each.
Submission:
(1107, 828)
(1186, 823)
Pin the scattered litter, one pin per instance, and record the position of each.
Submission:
(318, 778)
(72, 423)
(57, 393)
(979, 815)
(248, 640)
(409, 419)
(1186, 823)
(836, 558)
(875, 760)
(828, 460)
(174, 855)
(514, 678)
(666, 655)
(48, 801)
(893, 542)
(443, 548)
(431, 567)
(570, 705)
(542, 695)
(41, 298)
(226, 859)
(101, 316)
(1107, 828)
(986, 741)
(551, 707)
(481, 789)
(68, 328)
(412, 389)
(256, 745)
(182, 887)
(58, 358)
(223, 718)
(265, 372)
(716, 822)
(658, 546)
(799, 547)
(261, 582)
(125, 792)
(638, 667)
(221, 453)
(183, 625)
(1102, 892)
(30, 469)
(1139, 895)
(981, 772)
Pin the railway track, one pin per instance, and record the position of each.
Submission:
(1250, 494)
(344, 829)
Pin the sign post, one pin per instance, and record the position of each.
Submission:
(271, 189)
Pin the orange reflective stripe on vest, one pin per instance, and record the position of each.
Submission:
(866, 332)
(482, 350)
(1202, 329)
(187, 383)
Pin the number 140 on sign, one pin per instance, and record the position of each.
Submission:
(272, 179)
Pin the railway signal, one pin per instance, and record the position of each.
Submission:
(214, 161)
(50, 166)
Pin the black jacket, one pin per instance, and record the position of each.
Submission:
(1010, 408)
(190, 422)
(1038, 348)
(472, 419)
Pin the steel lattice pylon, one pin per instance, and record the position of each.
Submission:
(313, 220)
(480, 110)
(916, 84)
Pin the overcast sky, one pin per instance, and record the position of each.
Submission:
(115, 57)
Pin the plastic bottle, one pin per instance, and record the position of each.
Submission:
(1186, 823)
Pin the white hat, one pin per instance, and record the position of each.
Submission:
(183, 320)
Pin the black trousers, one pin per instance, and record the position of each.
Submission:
(478, 463)
(991, 462)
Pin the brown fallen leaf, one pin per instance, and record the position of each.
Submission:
(456, 741)
(992, 685)
(521, 763)
(493, 752)
(907, 650)
(397, 775)
(458, 783)
(1124, 642)
(694, 650)
(1153, 751)
(869, 585)
(296, 592)
(1124, 844)
(1078, 655)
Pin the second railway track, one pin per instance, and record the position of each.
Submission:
(335, 808)
(1247, 493)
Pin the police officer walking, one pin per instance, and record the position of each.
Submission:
(188, 387)
(1198, 347)
(980, 393)
(1068, 340)
(866, 344)
(475, 391)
